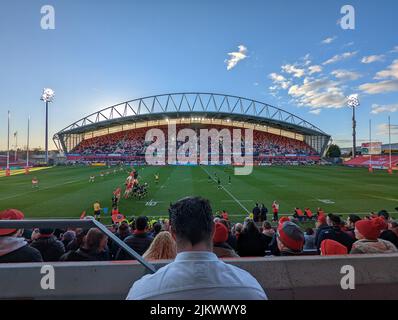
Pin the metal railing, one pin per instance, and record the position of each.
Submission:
(73, 223)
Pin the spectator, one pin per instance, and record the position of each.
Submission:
(163, 247)
(367, 232)
(237, 230)
(68, 237)
(50, 248)
(123, 231)
(157, 227)
(268, 231)
(231, 241)
(332, 248)
(139, 241)
(320, 226)
(391, 234)
(290, 239)
(196, 271)
(220, 246)
(263, 212)
(256, 213)
(251, 242)
(13, 248)
(309, 236)
(77, 241)
(92, 249)
(352, 219)
(334, 232)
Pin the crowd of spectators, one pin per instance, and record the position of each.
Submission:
(376, 233)
(132, 143)
(196, 241)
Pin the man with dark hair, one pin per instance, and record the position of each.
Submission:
(50, 248)
(334, 232)
(196, 272)
(14, 248)
(352, 219)
(139, 241)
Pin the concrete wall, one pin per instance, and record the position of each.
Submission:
(312, 277)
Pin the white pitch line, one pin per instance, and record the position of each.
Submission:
(228, 192)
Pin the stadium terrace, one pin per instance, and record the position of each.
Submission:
(117, 133)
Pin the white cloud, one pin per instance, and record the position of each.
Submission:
(235, 57)
(376, 109)
(279, 80)
(316, 111)
(380, 87)
(346, 75)
(390, 72)
(382, 129)
(291, 69)
(339, 57)
(318, 93)
(394, 50)
(328, 40)
(315, 69)
(372, 58)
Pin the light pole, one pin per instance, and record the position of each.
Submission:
(47, 96)
(353, 102)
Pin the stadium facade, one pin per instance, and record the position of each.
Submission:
(189, 109)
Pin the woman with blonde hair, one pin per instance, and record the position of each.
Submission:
(162, 247)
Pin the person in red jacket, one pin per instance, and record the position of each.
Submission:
(308, 213)
(275, 210)
(298, 214)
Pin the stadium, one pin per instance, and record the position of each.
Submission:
(290, 179)
(235, 172)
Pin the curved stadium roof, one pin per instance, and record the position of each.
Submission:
(192, 104)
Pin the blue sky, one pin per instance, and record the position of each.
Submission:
(291, 54)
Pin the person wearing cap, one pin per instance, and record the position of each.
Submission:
(368, 232)
(290, 239)
(220, 246)
(50, 248)
(334, 232)
(332, 248)
(13, 248)
(391, 234)
(196, 272)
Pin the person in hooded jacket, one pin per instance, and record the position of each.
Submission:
(50, 248)
(14, 248)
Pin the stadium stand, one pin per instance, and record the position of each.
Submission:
(131, 144)
(377, 161)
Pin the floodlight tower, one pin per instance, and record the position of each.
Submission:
(47, 96)
(353, 102)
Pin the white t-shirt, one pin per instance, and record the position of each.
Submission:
(197, 276)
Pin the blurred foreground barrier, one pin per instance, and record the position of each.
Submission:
(310, 277)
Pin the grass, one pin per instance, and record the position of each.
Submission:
(66, 192)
